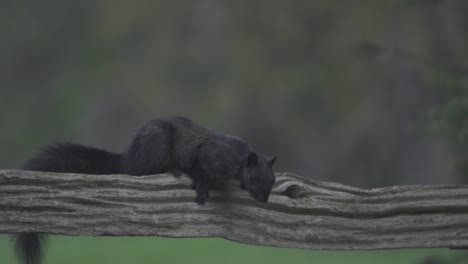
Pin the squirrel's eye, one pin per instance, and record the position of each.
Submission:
(252, 177)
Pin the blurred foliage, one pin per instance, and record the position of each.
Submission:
(292, 78)
(449, 119)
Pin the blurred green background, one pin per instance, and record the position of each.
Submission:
(367, 93)
(79, 250)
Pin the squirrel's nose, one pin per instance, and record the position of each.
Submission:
(261, 197)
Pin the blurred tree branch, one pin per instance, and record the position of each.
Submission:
(374, 50)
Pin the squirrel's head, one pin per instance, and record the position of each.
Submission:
(258, 176)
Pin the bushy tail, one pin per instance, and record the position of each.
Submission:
(28, 247)
(72, 158)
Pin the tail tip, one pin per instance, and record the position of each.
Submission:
(28, 247)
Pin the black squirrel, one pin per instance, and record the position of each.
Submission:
(175, 145)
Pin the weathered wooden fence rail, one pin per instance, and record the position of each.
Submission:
(300, 214)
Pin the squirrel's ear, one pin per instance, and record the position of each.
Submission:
(272, 160)
(252, 160)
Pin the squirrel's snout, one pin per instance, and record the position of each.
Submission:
(261, 197)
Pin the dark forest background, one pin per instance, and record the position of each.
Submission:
(337, 89)
(366, 93)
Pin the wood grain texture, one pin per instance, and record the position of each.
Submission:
(301, 213)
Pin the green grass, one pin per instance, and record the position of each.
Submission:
(146, 250)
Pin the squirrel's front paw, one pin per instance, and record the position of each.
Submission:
(176, 172)
(201, 198)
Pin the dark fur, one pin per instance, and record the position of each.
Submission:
(72, 158)
(175, 145)
(178, 145)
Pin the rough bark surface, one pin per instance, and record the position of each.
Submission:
(301, 213)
